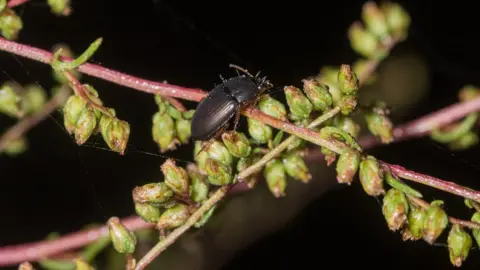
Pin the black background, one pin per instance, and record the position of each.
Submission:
(59, 186)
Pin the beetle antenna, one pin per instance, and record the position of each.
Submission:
(221, 78)
(241, 69)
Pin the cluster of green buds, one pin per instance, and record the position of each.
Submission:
(10, 23)
(17, 101)
(170, 127)
(60, 7)
(381, 26)
(460, 135)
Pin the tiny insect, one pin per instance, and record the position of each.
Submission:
(226, 102)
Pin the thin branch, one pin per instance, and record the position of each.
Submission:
(15, 3)
(173, 236)
(27, 123)
(10, 255)
(461, 222)
(157, 88)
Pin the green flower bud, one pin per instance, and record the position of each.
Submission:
(173, 217)
(459, 244)
(300, 106)
(173, 112)
(205, 217)
(330, 156)
(188, 114)
(272, 107)
(164, 132)
(59, 7)
(148, 212)
(371, 176)
(436, 221)
(363, 42)
(378, 123)
(276, 177)
(395, 209)
(465, 141)
(176, 178)
(200, 157)
(329, 76)
(71, 112)
(10, 101)
(10, 24)
(183, 130)
(476, 232)
(124, 241)
(318, 94)
(81, 264)
(375, 20)
(219, 173)
(33, 99)
(347, 80)
(259, 131)
(416, 220)
(468, 92)
(218, 151)
(244, 163)
(85, 126)
(237, 143)
(348, 125)
(116, 135)
(348, 104)
(199, 186)
(397, 18)
(152, 193)
(16, 147)
(347, 165)
(296, 168)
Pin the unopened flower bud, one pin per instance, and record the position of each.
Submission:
(348, 125)
(16, 146)
(33, 99)
(59, 7)
(183, 130)
(81, 264)
(259, 131)
(124, 241)
(199, 186)
(348, 104)
(468, 92)
(347, 80)
(218, 151)
(200, 157)
(237, 143)
(10, 101)
(300, 106)
(188, 114)
(371, 176)
(276, 177)
(152, 193)
(296, 168)
(436, 221)
(347, 165)
(330, 156)
(476, 232)
(363, 42)
(219, 173)
(176, 178)
(378, 123)
(465, 141)
(71, 112)
(148, 212)
(375, 20)
(459, 244)
(10, 24)
(173, 217)
(86, 124)
(416, 220)
(397, 18)
(116, 135)
(318, 94)
(163, 131)
(272, 107)
(395, 209)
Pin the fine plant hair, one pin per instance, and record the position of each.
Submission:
(318, 121)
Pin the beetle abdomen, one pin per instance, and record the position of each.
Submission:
(212, 114)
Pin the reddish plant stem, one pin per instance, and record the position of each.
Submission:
(10, 255)
(29, 122)
(157, 88)
(14, 3)
(464, 223)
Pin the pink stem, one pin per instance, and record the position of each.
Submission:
(10, 255)
(14, 3)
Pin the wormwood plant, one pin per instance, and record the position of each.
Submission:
(317, 118)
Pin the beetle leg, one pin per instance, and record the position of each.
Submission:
(237, 119)
(208, 143)
(221, 78)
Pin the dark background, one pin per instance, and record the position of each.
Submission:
(58, 186)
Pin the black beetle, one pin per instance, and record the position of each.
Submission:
(225, 102)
